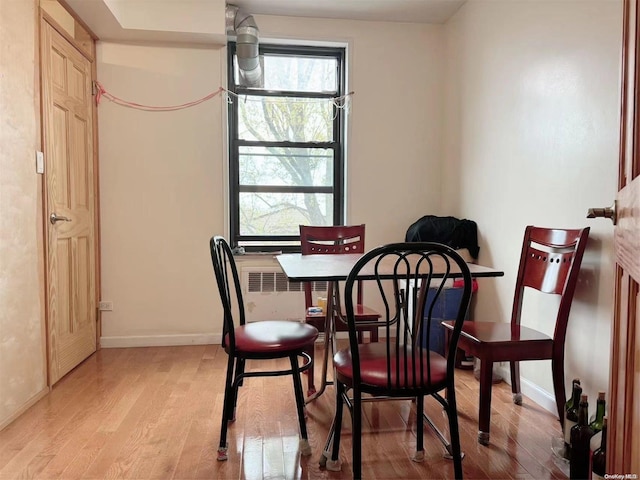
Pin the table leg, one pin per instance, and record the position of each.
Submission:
(328, 340)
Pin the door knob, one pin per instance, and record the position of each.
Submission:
(608, 212)
(53, 218)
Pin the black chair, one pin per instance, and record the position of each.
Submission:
(265, 340)
(400, 364)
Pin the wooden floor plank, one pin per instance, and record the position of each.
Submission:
(154, 413)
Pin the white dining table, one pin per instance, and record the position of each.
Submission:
(334, 268)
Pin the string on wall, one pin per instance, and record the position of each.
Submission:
(340, 103)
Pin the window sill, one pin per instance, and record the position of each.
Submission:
(253, 256)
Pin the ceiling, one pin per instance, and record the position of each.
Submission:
(412, 11)
(100, 19)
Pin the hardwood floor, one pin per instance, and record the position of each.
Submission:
(154, 413)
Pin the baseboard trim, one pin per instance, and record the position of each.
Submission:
(160, 340)
(25, 406)
(529, 389)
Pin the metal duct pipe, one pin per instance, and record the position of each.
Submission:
(247, 38)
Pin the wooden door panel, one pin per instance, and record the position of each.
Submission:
(621, 416)
(85, 318)
(57, 177)
(81, 192)
(623, 450)
(58, 69)
(77, 82)
(635, 391)
(60, 315)
(71, 265)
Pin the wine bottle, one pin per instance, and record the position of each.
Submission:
(599, 461)
(595, 442)
(571, 414)
(581, 433)
(596, 424)
(569, 402)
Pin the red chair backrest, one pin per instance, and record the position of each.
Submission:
(316, 240)
(323, 240)
(550, 263)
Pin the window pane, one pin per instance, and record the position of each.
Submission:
(282, 213)
(300, 74)
(306, 167)
(280, 119)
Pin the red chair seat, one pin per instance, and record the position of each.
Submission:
(273, 336)
(504, 341)
(496, 332)
(373, 367)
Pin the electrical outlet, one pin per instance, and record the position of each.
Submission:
(105, 306)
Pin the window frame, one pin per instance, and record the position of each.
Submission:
(286, 243)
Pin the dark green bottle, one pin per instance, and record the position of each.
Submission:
(599, 461)
(581, 434)
(596, 424)
(571, 414)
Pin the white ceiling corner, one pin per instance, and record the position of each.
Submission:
(197, 21)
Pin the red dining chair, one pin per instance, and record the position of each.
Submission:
(263, 340)
(549, 263)
(340, 239)
(401, 365)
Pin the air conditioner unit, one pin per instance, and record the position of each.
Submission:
(269, 295)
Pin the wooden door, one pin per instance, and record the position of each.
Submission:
(70, 196)
(623, 456)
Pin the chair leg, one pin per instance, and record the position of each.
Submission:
(311, 386)
(356, 420)
(236, 384)
(240, 370)
(557, 368)
(454, 431)
(484, 412)
(419, 455)
(333, 464)
(305, 448)
(226, 409)
(328, 446)
(515, 382)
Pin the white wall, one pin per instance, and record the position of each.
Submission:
(531, 121)
(161, 191)
(162, 175)
(22, 362)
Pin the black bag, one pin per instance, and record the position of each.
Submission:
(450, 231)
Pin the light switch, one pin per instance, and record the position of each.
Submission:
(39, 162)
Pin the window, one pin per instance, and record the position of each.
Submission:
(286, 146)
